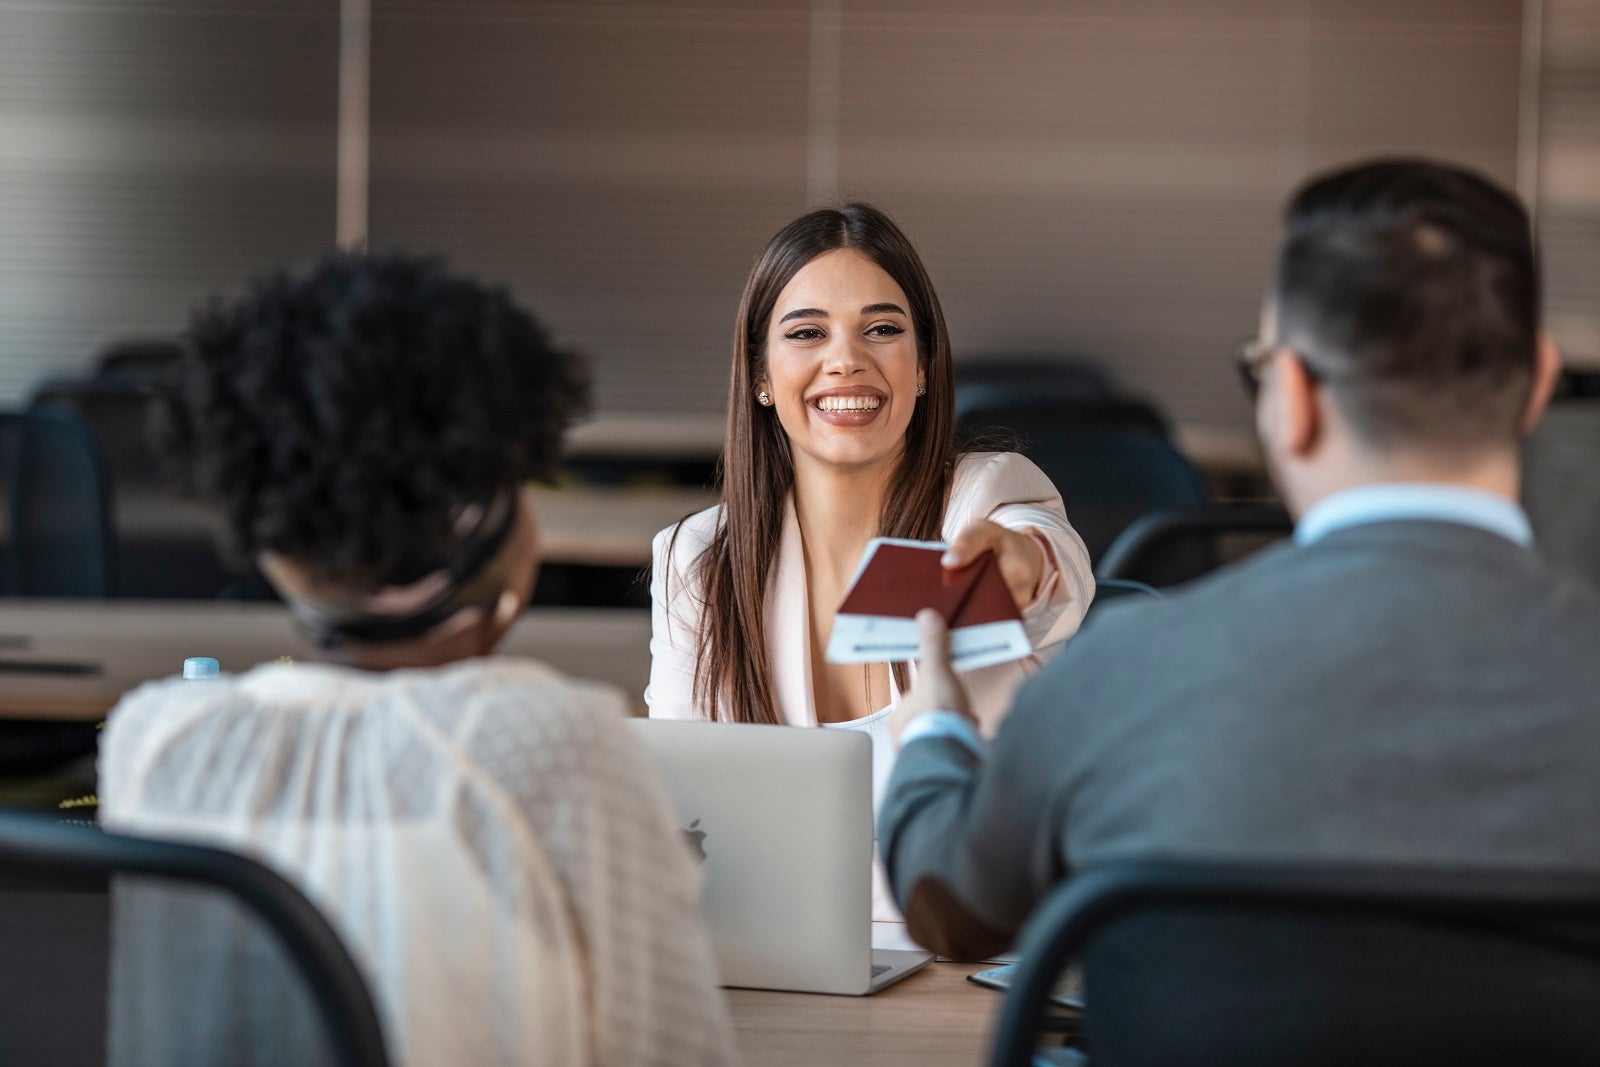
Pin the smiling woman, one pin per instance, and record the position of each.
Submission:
(840, 429)
(844, 379)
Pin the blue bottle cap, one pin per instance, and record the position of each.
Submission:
(201, 667)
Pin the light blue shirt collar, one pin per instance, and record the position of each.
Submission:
(1415, 500)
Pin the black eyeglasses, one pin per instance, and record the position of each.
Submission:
(1251, 357)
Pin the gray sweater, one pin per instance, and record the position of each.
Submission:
(1405, 692)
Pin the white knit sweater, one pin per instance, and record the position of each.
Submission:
(486, 837)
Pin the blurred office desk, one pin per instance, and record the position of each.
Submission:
(609, 526)
(1221, 452)
(600, 526)
(132, 641)
(935, 1017)
(641, 435)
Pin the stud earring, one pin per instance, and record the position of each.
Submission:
(505, 608)
(763, 399)
(922, 390)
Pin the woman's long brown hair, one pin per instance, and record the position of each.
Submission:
(757, 472)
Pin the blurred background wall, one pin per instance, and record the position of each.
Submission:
(1562, 463)
(1085, 179)
(151, 152)
(1567, 172)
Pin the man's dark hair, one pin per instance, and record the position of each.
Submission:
(1413, 289)
(342, 416)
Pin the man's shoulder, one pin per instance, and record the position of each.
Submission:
(1409, 561)
(1345, 588)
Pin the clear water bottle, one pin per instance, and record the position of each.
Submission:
(201, 668)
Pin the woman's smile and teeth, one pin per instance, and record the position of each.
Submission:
(854, 406)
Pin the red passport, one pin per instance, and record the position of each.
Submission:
(896, 579)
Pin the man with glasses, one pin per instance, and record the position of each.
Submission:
(1405, 683)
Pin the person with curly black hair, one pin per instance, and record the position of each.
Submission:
(365, 424)
(484, 833)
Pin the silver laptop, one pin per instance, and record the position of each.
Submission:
(781, 821)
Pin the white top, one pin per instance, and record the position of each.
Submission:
(876, 727)
(487, 838)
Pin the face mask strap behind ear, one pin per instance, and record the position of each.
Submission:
(327, 629)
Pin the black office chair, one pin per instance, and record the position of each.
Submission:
(1560, 480)
(1108, 591)
(1245, 965)
(61, 508)
(162, 546)
(116, 412)
(1004, 381)
(117, 949)
(10, 432)
(138, 362)
(1112, 462)
(29, 749)
(1166, 546)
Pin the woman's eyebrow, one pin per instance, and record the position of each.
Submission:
(876, 309)
(805, 313)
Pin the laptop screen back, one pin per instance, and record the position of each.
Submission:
(781, 821)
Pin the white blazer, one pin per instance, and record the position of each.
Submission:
(1004, 487)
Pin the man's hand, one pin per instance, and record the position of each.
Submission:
(937, 688)
(1020, 557)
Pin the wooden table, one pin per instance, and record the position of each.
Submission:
(131, 641)
(935, 1017)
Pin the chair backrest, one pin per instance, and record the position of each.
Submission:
(138, 361)
(1560, 481)
(1110, 590)
(1008, 381)
(62, 541)
(1112, 462)
(1160, 548)
(116, 413)
(10, 432)
(161, 546)
(31, 747)
(113, 945)
(1189, 963)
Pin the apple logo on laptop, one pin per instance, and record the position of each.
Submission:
(696, 838)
